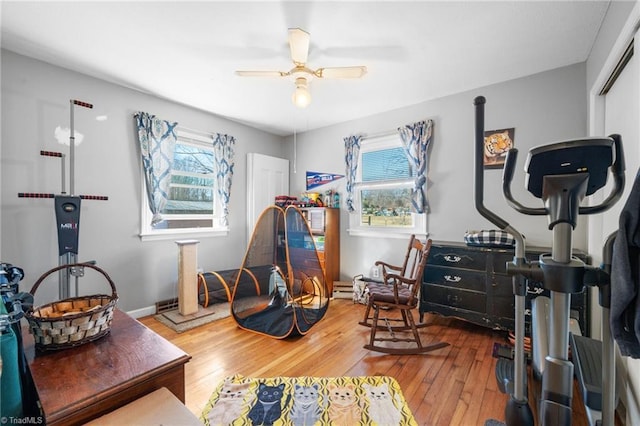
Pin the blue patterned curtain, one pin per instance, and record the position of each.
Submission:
(352, 150)
(157, 143)
(224, 161)
(416, 139)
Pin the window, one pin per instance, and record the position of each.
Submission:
(193, 206)
(383, 190)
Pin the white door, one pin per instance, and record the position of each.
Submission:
(266, 177)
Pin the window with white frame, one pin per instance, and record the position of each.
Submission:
(193, 205)
(383, 188)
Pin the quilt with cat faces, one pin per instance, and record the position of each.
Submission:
(306, 401)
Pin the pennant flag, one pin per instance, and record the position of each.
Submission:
(316, 179)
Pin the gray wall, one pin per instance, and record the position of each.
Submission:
(35, 99)
(543, 108)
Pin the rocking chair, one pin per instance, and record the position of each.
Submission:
(407, 270)
(399, 292)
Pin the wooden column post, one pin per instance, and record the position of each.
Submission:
(188, 277)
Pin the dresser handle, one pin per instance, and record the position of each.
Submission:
(453, 278)
(454, 258)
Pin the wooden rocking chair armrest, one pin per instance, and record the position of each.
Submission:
(390, 279)
(395, 280)
(388, 265)
(400, 278)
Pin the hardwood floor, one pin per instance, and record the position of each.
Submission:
(455, 385)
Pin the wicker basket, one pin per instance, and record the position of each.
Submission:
(74, 321)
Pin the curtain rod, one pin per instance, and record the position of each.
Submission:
(380, 134)
(201, 132)
(179, 126)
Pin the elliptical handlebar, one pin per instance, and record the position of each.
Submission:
(479, 167)
(517, 411)
(617, 170)
(507, 176)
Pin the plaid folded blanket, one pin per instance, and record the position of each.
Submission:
(491, 238)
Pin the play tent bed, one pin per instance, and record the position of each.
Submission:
(280, 289)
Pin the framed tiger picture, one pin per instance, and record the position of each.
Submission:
(496, 145)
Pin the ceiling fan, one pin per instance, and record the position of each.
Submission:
(302, 75)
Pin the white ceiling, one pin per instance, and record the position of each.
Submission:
(414, 51)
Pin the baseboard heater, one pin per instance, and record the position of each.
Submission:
(166, 305)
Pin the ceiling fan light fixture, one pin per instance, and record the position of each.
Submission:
(301, 96)
(301, 73)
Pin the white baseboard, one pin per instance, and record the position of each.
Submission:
(143, 312)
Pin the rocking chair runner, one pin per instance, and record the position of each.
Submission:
(399, 292)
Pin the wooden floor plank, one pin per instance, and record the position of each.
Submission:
(472, 394)
(454, 385)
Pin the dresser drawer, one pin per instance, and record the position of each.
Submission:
(457, 258)
(457, 278)
(472, 283)
(462, 299)
(500, 262)
(500, 285)
(503, 306)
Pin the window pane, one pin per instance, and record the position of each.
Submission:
(192, 204)
(191, 188)
(188, 207)
(188, 158)
(189, 180)
(189, 194)
(385, 164)
(386, 207)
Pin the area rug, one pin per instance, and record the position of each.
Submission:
(368, 400)
(179, 323)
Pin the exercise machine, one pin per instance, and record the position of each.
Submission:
(67, 210)
(13, 381)
(561, 174)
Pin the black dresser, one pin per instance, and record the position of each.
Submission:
(471, 283)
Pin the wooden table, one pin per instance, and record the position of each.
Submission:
(79, 384)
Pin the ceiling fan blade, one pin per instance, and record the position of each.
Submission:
(262, 73)
(299, 44)
(341, 72)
